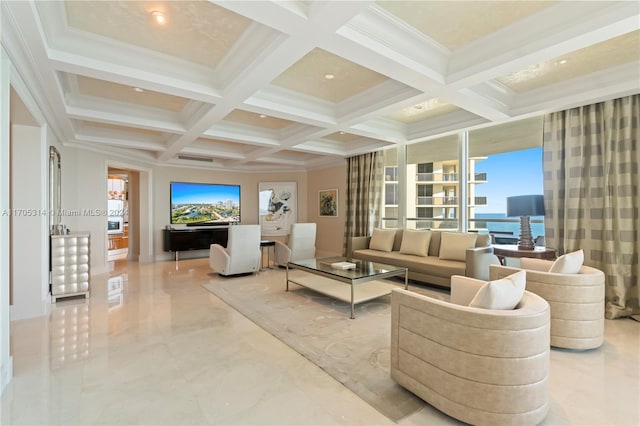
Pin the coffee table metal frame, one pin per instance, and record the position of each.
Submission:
(364, 271)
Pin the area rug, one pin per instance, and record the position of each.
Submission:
(356, 352)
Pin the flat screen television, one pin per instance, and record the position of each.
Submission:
(202, 204)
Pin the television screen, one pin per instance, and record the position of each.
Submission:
(204, 203)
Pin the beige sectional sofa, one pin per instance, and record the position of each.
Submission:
(461, 254)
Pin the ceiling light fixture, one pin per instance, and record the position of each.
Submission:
(159, 17)
(262, 116)
(139, 90)
(342, 133)
(329, 76)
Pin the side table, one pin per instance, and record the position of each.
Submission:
(268, 244)
(512, 250)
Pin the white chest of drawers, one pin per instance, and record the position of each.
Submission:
(70, 263)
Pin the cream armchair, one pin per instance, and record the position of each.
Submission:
(242, 254)
(477, 365)
(576, 300)
(301, 244)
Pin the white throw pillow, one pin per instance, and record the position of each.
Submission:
(382, 239)
(454, 245)
(415, 242)
(569, 263)
(504, 293)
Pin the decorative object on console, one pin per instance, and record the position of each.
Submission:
(525, 206)
(328, 203)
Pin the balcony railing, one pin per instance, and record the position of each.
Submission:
(478, 201)
(449, 177)
(480, 225)
(425, 201)
(437, 201)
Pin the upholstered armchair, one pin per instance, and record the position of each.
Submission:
(242, 254)
(576, 300)
(301, 244)
(480, 366)
(478, 260)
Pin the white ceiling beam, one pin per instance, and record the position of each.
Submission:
(555, 31)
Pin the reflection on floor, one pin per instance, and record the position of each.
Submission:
(151, 346)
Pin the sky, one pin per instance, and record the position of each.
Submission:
(509, 173)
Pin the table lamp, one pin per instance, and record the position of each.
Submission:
(525, 206)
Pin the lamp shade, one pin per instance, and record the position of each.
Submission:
(525, 205)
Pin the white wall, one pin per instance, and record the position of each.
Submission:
(29, 222)
(6, 362)
(330, 230)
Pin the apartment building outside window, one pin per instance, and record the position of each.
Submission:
(433, 179)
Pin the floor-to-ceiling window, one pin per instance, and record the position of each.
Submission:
(501, 161)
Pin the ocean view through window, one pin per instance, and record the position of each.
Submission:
(510, 173)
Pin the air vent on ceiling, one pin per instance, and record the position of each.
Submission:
(195, 158)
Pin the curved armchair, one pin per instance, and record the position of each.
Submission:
(576, 300)
(301, 244)
(242, 254)
(477, 365)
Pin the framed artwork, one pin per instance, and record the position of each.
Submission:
(278, 207)
(328, 202)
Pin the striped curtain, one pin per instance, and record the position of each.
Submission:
(591, 192)
(365, 175)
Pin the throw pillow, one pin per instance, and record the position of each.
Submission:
(569, 263)
(504, 293)
(454, 245)
(415, 242)
(382, 239)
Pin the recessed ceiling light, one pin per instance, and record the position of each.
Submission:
(329, 76)
(159, 17)
(342, 133)
(563, 61)
(262, 116)
(137, 89)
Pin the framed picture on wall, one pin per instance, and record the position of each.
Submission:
(328, 203)
(278, 207)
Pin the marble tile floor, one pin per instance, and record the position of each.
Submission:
(152, 347)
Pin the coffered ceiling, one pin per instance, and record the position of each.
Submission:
(297, 85)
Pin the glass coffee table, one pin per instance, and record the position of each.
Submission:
(363, 282)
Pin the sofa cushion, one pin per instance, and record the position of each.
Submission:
(454, 245)
(415, 242)
(504, 293)
(569, 263)
(434, 244)
(382, 239)
(431, 265)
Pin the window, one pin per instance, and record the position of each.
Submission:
(500, 158)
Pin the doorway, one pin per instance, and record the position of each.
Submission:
(117, 214)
